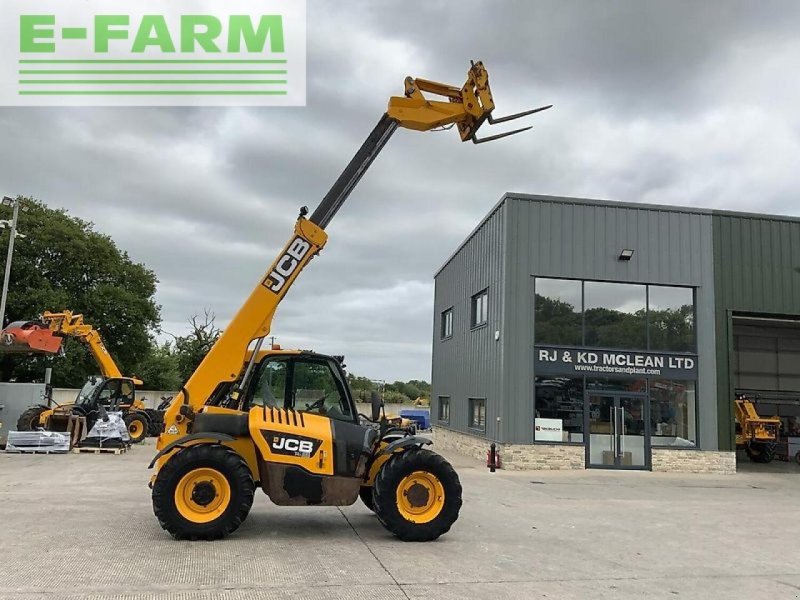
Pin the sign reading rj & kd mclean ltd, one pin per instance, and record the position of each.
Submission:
(550, 360)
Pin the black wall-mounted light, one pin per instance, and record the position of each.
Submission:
(626, 254)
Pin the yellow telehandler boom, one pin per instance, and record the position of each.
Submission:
(68, 324)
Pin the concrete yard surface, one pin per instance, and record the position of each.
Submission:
(82, 526)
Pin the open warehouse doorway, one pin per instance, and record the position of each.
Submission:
(766, 371)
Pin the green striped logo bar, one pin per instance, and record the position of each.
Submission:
(154, 53)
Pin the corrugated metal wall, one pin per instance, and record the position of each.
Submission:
(470, 364)
(756, 262)
(572, 238)
(15, 398)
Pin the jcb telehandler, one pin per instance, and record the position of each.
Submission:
(285, 420)
(756, 434)
(110, 390)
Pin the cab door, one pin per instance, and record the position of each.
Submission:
(318, 386)
(301, 413)
(282, 434)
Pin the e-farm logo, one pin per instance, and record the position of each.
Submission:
(153, 52)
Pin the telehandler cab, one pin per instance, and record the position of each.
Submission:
(284, 420)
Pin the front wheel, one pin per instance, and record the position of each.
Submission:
(417, 495)
(137, 427)
(203, 492)
(29, 420)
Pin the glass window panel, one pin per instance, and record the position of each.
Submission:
(602, 384)
(480, 308)
(559, 410)
(447, 323)
(557, 312)
(615, 315)
(271, 386)
(477, 413)
(316, 390)
(444, 409)
(672, 413)
(671, 315)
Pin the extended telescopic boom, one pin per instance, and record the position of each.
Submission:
(467, 107)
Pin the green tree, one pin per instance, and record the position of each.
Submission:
(159, 368)
(190, 349)
(63, 263)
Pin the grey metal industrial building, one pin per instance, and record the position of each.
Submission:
(579, 332)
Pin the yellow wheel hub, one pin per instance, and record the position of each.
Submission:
(202, 495)
(420, 497)
(134, 428)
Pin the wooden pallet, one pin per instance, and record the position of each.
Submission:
(19, 450)
(91, 450)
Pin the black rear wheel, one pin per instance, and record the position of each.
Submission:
(417, 495)
(156, 421)
(203, 492)
(29, 420)
(761, 452)
(365, 493)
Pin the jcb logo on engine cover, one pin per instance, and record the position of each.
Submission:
(286, 264)
(291, 445)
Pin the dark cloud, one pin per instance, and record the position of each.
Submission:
(667, 102)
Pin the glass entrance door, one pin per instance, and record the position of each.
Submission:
(618, 436)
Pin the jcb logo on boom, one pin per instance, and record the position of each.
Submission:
(287, 264)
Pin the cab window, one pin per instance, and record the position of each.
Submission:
(115, 393)
(316, 389)
(271, 388)
(109, 392)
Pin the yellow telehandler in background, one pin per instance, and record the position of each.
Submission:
(285, 420)
(757, 435)
(111, 390)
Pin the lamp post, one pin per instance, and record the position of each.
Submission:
(15, 203)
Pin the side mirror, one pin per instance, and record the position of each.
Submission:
(377, 404)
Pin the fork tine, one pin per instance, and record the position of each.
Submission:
(477, 140)
(493, 121)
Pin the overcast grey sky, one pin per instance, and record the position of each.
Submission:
(672, 102)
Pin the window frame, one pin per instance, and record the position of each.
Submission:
(473, 309)
(443, 334)
(647, 286)
(471, 414)
(443, 401)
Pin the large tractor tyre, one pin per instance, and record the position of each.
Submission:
(156, 422)
(203, 492)
(417, 495)
(29, 420)
(137, 425)
(761, 452)
(366, 497)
